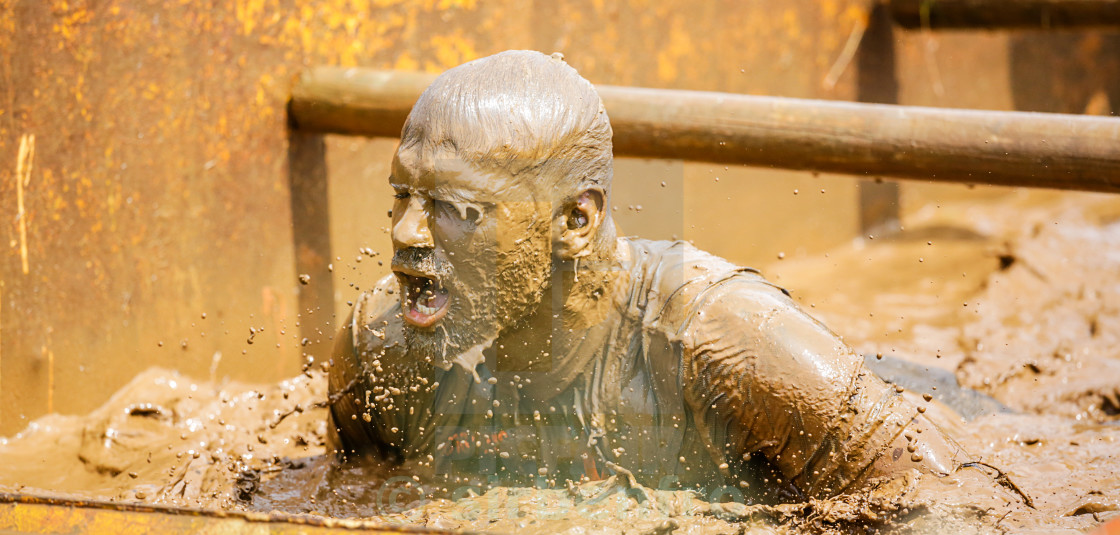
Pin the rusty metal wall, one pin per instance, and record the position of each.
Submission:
(1067, 71)
(156, 216)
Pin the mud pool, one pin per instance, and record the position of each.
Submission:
(1018, 299)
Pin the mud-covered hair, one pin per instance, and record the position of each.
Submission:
(520, 111)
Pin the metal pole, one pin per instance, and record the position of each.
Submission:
(965, 146)
(1002, 14)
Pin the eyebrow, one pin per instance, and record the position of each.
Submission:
(460, 194)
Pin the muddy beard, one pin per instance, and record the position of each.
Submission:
(478, 314)
(457, 332)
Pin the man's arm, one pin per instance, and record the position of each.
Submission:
(357, 426)
(762, 376)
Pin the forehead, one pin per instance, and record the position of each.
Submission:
(438, 169)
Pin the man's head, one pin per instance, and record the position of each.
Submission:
(503, 173)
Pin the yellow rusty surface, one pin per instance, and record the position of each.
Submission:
(25, 514)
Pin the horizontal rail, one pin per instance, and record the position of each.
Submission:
(984, 147)
(1004, 14)
(24, 513)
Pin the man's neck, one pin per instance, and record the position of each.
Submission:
(582, 295)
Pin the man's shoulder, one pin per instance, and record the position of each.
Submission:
(675, 258)
(375, 316)
(677, 280)
(377, 301)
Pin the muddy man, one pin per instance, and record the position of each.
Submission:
(521, 339)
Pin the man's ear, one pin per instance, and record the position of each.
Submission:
(578, 224)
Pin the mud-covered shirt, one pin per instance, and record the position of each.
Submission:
(703, 375)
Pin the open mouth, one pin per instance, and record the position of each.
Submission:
(425, 300)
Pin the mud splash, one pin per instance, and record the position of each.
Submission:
(237, 447)
(1038, 267)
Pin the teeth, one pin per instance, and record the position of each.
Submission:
(423, 293)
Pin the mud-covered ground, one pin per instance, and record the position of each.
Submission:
(1019, 299)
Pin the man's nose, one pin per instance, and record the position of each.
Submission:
(412, 227)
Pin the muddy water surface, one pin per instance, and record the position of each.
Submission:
(1019, 299)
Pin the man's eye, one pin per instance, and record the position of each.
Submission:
(401, 195)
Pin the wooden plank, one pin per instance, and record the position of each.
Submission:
(311, 233)
(877, 82)
(1002, 14)
(21, 513)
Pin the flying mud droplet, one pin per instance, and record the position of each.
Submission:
(305, 279)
